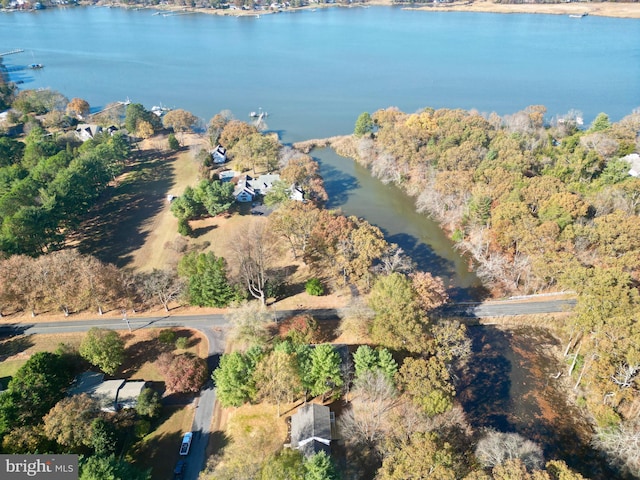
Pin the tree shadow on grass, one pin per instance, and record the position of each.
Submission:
(14, 345)
(159, 453)
(198, 232)
(140, 353)
(118, 225)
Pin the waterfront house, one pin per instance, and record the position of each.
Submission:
(633, 159)
(219, 155)
(262, 184)
(243, 192)
(296, 193)
(86, 131)
(248, 188)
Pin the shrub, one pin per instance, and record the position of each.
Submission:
(148, 403)
(184, 228)
(173, 142)
(314, 287)
(182, 342)
(167, 336)
(182, 373)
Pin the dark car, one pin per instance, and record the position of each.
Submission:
(178, 472)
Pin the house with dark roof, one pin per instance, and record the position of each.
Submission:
(311, 429)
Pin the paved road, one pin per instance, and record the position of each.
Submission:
(193, 321)
(204, 407)
(508, 308)
(212, 326)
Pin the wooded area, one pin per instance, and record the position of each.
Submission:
(539, 206)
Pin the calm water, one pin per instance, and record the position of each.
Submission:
(315, 72)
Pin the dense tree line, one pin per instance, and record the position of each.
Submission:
(49, 181)
(539, 206)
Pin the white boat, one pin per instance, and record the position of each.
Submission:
(578, 15)
(259, 113)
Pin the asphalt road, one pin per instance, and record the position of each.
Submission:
(203, 417)
(213, 326)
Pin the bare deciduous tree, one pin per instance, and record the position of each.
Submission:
(249, 325)
(162, 285)
(253, 252)
(498, 447)
(374, 396)
(622, 445)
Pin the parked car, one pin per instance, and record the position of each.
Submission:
(178, 472)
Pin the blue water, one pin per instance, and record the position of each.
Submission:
(315, 72)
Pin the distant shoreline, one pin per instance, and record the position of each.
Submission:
(601, 9)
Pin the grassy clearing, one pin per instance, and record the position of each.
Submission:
(142, 349)
(254, 432)
(15, 351)
(159, 449)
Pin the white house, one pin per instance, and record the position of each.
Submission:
(633, 159)
(249, 187)
(243, 192)
(86, 131)
(262, 184)
(296, 193)
(219, 154)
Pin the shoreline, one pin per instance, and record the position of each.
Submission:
(600, 9)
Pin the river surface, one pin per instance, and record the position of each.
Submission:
(314, 73)
(353, 190)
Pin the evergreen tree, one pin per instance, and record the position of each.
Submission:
(207, 280)
(364, 125)
(233, 379)
(320, 467)
(325, 374)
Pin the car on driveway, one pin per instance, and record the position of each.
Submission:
(178, 472)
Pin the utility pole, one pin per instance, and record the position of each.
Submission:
(125, 318)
